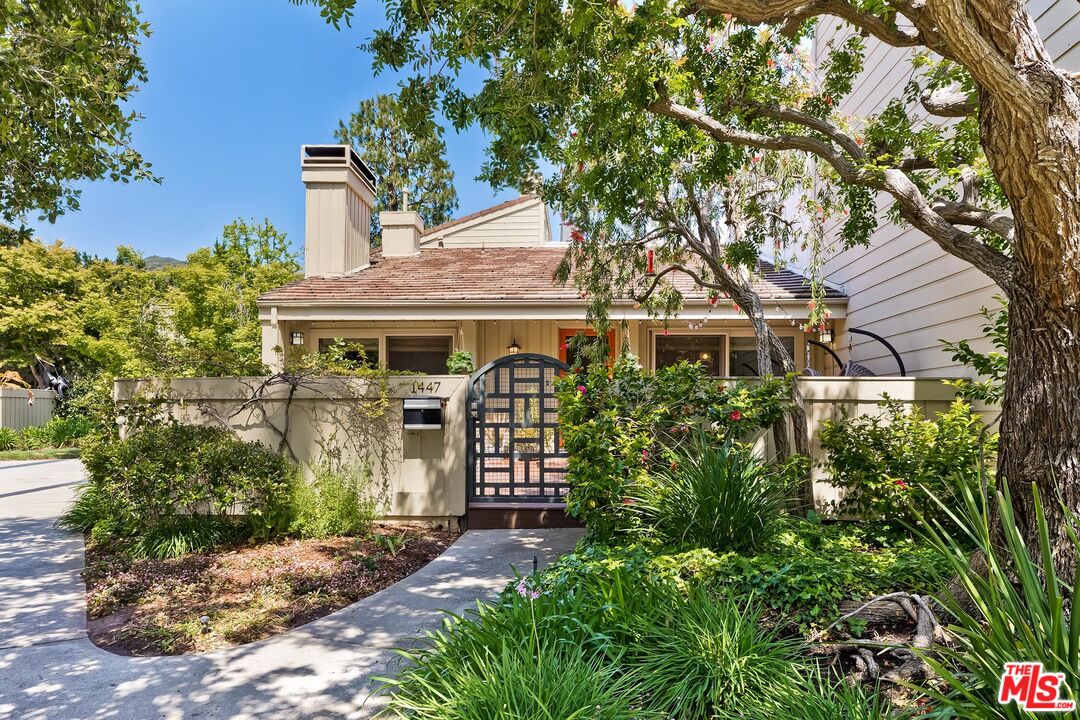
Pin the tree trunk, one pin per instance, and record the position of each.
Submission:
(1034, 151)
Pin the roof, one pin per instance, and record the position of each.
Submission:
(488, 274)
(479, 214)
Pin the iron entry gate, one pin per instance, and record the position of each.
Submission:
(515, 452)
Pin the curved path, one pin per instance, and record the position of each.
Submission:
(325, 669)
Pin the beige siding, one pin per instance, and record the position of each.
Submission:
(521, 225)
(17, 411)
(903, 286)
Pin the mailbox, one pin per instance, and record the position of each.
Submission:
(422, 412)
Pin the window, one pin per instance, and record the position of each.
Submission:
(705, 349)
(422, 354)
(569, 354)
(743, 359)
(356, 349)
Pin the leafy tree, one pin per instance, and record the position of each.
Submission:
(212, 300)
(405, 157)
(123, 320)
(981, 152)
(66, 68)
(39, 292)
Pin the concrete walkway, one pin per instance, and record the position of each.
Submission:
(325, 669)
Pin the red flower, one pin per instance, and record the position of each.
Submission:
(902, 484)
(628, 501)
(564, 346)
(576, 235)
(735, 415)
(644, 455)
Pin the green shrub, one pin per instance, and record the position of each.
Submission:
(717, 496)
(889, 465)
(186, 534)
(707, 655)
(334, 502)
(529, 636)
(622, 424)
(1016, 609)
(798, 579)
(510, 680)
(67, 431)
(35, 437)
(815, 698)
(9, 439)
(171, 487)
(460, 362)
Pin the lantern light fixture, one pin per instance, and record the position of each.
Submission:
(827, 335)
(513, 348)
(296, 337)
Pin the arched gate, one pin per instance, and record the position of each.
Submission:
(515, 453)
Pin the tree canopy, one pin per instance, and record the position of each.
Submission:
(115, 316)
(980, 151)
(406, 156)
(67, 70)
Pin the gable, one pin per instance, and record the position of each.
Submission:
(521, 222)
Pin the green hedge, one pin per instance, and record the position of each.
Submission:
(170, 489)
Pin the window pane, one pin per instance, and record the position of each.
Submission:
(356, 349)
(743, 359)
(704, 349)
(418, 354)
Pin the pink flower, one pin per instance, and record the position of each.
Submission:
(582, 389)
(628, 501)
(735, 415)
(644, 455)
(902, 484)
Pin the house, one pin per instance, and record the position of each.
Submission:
(483, 283)
(903, 286)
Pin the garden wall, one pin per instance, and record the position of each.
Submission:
(825, 397)
(17, 411)
(426, 469)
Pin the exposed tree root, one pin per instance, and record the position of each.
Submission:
(899, 624)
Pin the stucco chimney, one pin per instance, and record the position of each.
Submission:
(401, 231)
(340, 198)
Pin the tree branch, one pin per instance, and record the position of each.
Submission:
(911, 202)
(948, 102)
(793, 11)
(965, 214)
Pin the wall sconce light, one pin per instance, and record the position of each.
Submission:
(296, 337)
(827, 336)
(513, 348)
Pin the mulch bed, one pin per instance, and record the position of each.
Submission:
(241, 594)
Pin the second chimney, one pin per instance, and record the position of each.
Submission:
(401, 232)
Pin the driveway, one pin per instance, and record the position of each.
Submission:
(325, 669)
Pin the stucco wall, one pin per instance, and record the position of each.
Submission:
(427, 468)
(428, 472)
(903, 286)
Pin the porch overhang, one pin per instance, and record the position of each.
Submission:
(315, 311)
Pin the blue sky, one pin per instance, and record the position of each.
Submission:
(235, 88)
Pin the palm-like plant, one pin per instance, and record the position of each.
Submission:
(1017, 609)
(717, 495)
